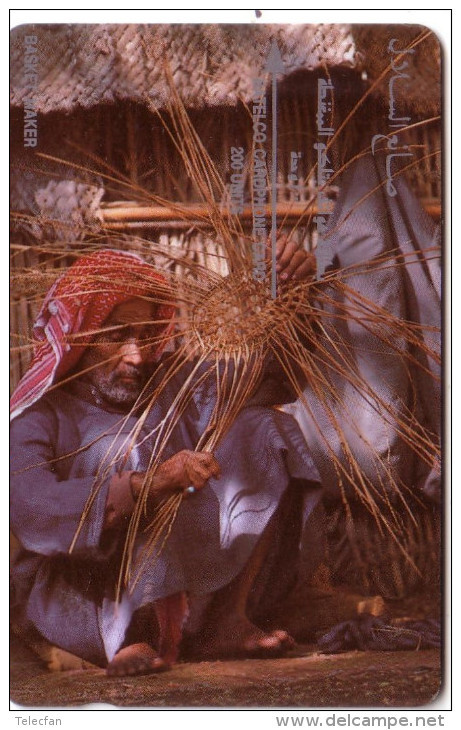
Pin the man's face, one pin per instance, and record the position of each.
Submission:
(115, 362)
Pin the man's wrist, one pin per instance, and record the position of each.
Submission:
(120, 501)
(158, 484)
(136, 482)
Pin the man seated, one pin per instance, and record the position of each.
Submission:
(249, 510)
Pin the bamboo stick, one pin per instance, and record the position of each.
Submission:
(116, 217)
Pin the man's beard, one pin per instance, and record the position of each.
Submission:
(114, 389)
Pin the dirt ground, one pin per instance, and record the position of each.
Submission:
(305, 678)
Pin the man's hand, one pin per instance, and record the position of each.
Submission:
(184, 469)
(188, 468)
(293, 262)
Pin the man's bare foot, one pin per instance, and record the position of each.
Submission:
(239, 638)
(136, 659)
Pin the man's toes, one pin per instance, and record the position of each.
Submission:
(159, 665)
(257, 642)
(264, 644)
(135, 659)
(133, 667)
(284, 637)
(272, 643)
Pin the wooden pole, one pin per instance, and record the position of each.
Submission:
(116, 218)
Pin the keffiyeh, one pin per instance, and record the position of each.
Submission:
(80, 301)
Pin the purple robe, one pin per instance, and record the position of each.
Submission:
(69, 598)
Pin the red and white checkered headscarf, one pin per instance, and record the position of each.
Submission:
(80, 301)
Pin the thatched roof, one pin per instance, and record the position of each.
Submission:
(84, 65)
(81, 66)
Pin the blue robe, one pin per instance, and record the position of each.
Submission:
(69, 598)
